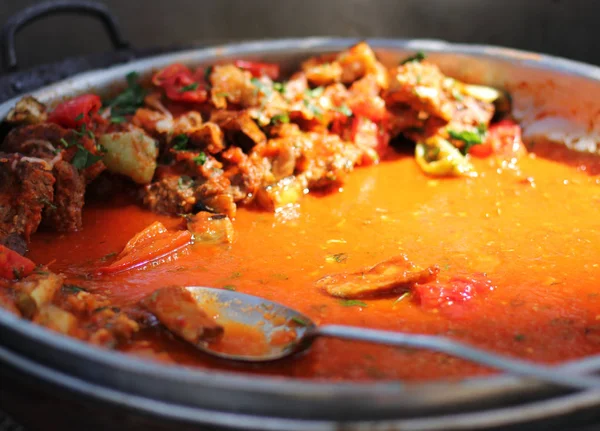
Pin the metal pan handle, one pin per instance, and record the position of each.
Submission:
(41, 10)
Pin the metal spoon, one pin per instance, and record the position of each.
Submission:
(271, 318)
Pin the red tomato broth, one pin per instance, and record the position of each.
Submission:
(534, 233)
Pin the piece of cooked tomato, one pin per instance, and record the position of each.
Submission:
(372, 108)
(505, 138)
(152, 244)
(180, 85)
(13, 265)
(75, 112)
(481, 150)
(258, 69)
(457, 290)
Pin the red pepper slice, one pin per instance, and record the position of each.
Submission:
(180, 85)
(75, 112)
(150, 245)
(13, 265)
(258, 69)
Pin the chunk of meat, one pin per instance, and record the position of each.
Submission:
(26, 188)
(382, 279)
(215, 194)
(322, 70)
(420, 85)
(356, 62)
(36, 140)
(207, 137)
(244, 174)
(208, 228)
(176, 308)
(232, 85)
(239, 128)
(65, 213)
(36, 291)
(172, 194)
(57, 319)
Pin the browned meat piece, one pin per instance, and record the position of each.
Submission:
(15, 242)
(170, 195)
(110, 327)
(232, 85)
(37, 140)
(381, 279)
(356, 62)
(25, 190)
(243, 173)
(402, 119)
(420, 85)
(322, 70)
(210, 228)
(215, 194)
(65, 213)
(207, 137)
(178, 311)
(239, 128)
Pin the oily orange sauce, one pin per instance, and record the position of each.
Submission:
(535, 232)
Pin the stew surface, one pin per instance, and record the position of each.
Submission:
(484, 242)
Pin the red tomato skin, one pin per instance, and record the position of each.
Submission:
(13, 265)
(258, 69)
(75, 112)
(481, 150)
(174, 78)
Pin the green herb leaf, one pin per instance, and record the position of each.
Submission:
(184, 181)
(280, 118)
(118, 119)
(520, 337)
(418, 56)
(17, 273)
(262, 87)
(299, 321)
(315, 110)
(229, 287)
(190, 87)
(83, 158)
(207, 73)
(180, 142)
(352, 303)
(469, 137)
(457, 95)
(344, 110)
(130, 99)
(200, 159)
(45, 201)
(279, 87)
(64, 143)
(108, 256)
(338, 257)
(79, 117)
(315, 92)
(73, 288)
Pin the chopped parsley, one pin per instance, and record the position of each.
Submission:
(184, 181)
(299, 321)
(344, 110)
(83, 158)
(207, 73)
(520, 337)
(79, 117)
(189, 87)
(338, 257)
(280, 118)
(418, 57)
(352, 303)
(17, 273)
(118, 119)
(130, 99)
(261, 86)
(108, 256)
(314, 109)
(279, 87)
(73, 288)
(200, 159)
(457, 95)
(180, 142)
(229, 287)
(315, 92)
(46, 202)
(469, 137)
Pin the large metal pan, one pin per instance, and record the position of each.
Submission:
(554, 97)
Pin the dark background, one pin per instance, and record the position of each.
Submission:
(567, 28)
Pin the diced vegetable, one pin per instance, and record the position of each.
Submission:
(176, 308)
(28, 110)
(258, 69)
(438, 157)
(56, 319)
(36, 291)
(479, 92)
(13, 265)
(153, 244)
(131, 153)
(285, 191)
(75, 112)
(208, 228)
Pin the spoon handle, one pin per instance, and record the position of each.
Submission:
(454, 348)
